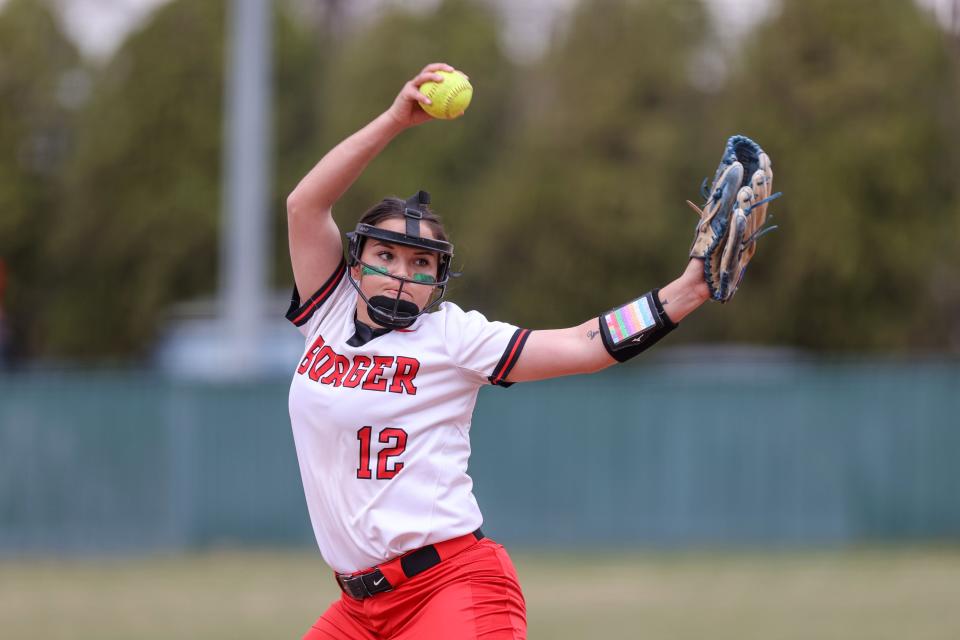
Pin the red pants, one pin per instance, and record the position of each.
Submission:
(475, 595)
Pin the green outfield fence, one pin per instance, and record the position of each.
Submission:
(677, 454)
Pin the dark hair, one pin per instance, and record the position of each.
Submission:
(390, 208)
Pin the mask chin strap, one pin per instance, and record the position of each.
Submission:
(393, 312)
(380, 312)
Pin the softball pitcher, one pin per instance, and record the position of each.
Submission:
(382, 400)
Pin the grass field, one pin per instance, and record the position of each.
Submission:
(873, 593)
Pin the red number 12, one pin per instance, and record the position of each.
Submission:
(397, 441)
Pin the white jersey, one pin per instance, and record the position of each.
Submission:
(382, 430)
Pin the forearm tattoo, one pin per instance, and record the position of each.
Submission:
(592, 334)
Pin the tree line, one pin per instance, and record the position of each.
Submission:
(563, 186)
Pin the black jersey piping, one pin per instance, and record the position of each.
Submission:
(510, 356)
(300, 314)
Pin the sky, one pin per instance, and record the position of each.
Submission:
(99, 26)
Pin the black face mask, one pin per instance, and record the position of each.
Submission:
(395, 313)
(392, 312)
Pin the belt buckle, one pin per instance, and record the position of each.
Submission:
(352, 586)
(364, 585)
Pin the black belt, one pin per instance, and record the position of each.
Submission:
(373, 581)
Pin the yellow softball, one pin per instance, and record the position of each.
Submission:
(449, 98)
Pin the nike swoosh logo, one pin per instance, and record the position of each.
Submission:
(376, 583)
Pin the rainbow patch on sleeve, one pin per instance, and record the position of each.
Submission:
(630, 320)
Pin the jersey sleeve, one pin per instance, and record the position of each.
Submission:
(329, 298)
(483, 351)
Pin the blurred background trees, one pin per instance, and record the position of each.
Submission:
(586, 209)
(863, 117)
(563, 186)
(40, 82)
(138, 227)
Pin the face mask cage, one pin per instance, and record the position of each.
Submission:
(394, 312)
